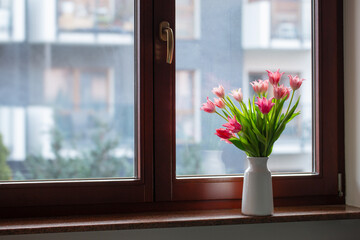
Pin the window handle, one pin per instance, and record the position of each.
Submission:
(167, 35)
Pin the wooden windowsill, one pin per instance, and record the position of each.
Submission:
(172, 219)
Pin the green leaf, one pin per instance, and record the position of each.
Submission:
(253, 104)
(227, 116)
(259, 136)
(269, 151)
(288, 116)
(279, 109)
(278, 134)
(245, 122)
(248, 145)
(250, 110)
(260, 121)
(235, 110)
(293, 116)
(239, 144)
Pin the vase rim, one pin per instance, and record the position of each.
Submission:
(257, 157)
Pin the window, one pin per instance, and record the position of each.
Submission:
(189, 13)
(215, 57)
(12, 15)
(92, 15)
(5, 11)
(286, 19)
(101, 64)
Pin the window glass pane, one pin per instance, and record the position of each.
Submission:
(67, 92)
(235, 42)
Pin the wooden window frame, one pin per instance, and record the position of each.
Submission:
(157, 187)
(321, 188)
(71, 197)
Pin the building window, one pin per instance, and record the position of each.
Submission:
(97, 16)
(6, 16)
(79, 89)
(286, 19)
(188, 19)
(280, 24)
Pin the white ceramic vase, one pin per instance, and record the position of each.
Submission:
(257, 198)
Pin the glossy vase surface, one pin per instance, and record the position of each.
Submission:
(257, 195)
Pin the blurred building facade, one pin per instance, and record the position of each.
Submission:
(69, 64)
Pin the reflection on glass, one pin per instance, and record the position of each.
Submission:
(236, 42)
(67, 109)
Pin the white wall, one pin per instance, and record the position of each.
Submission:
(340, 229)
(352, 100)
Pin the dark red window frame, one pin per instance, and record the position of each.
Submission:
(92, 196)
(329, 138)
(157, 187)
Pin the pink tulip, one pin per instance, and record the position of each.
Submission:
(209, 106)
(224, 134)
(233, 125)
(219, 91)
(295, 82)
(219, 102)
(264, 86)
(256, 86)
(237, 95)
(260, 86)
(281, 91)
(264, 105)
(274, 77)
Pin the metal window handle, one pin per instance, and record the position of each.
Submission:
(167, 35)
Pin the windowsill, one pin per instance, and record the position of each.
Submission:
(173, 219)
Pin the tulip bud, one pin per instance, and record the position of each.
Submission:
(237, 94)
(295, 82)
(209, 106)
(264, 105)
(219, 103)
(219, 91)
(274, 77)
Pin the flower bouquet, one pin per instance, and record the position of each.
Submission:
(254, 127)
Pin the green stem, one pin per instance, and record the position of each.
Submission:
(274, 110)
(230, 114)
(267, 134)
(292, 96)
(231, 104)
(221, 115)
(246, 112)
(227, 102)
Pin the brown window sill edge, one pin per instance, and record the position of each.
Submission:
(173, 219)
